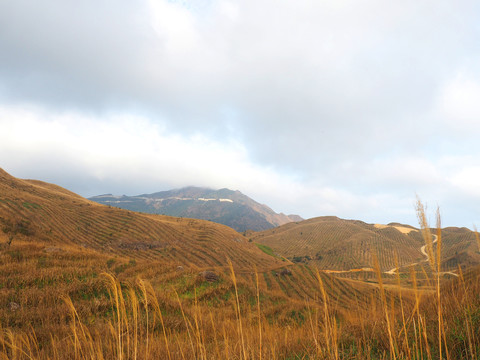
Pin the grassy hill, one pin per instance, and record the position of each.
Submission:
(224, 206)
(47, 214)
(81, 280)
(333, 243)
(338, 245)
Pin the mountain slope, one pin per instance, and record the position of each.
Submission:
(336, 244)
(71, 288)
(224, 206)
(31, 210)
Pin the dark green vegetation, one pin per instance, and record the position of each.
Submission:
(223, 206)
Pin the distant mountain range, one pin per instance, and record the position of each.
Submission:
(224, 206)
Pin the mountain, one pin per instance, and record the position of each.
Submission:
(85, 280)
(42, 213)
(50, 235)
(336, 244)
(224, 206)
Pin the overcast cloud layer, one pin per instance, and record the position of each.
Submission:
(317, 108)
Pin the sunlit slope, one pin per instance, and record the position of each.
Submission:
(336, 244)
(37, 211)
(459, 248)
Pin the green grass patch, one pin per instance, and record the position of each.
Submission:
(267, 250)
(29, 206)
(267, 281)
(198, 290)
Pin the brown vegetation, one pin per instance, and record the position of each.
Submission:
(77, 305)
(70, 291)
(45, 213)
(335, 244)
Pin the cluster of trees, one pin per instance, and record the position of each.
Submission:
(306, 258)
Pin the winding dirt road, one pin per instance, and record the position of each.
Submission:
(423, 250)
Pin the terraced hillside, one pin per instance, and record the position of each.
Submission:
(82, 280)
(56, 221)
(40, 212)
(38, 277)
(459, 248)
(338, 245)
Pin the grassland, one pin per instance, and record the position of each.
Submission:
(80, 304)
(70, 290)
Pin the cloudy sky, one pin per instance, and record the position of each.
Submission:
(328, 107)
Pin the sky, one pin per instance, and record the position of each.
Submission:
(329, 107)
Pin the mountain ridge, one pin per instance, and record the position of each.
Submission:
(224, 206)
(37, 212)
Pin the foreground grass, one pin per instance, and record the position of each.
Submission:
(99, 316)
(72, 304)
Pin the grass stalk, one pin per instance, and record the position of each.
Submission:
(439, 299)
(237, 307)
(404, 326)
(134, 305)
(143, 289)
(326, 317)
(259, 317)
(114, 294)
(426, 233)
(385, 306)
(158, 312)
(477, 237)
(187, 324)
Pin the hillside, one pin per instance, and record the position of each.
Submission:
(338, 245)
(224, 206)
(56, 245)
(43, 213)
(82, 280)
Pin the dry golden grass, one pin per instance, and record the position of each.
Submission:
(45, 213)
(402, 229)
(102, 316)
(71, 307)
(59, 300)
(337, 245)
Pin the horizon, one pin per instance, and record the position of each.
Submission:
(432, 225)
(315, 109)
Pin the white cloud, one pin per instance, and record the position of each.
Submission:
(340, 107)
(407, 171)
(133, 155)
(128, 147)
(467, 180)
(459, 103)
(176, 26)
